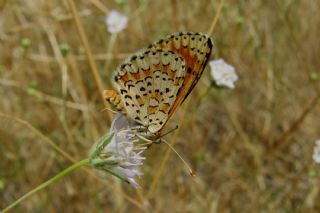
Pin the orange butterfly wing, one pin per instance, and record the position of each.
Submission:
(195, 49)
(143, 70)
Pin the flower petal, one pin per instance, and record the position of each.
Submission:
(316, 152)
(116, 22)
(223, 74)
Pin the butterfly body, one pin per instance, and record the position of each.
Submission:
(153, 82)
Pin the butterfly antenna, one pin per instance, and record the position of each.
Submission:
(185, 163)
(170, 131)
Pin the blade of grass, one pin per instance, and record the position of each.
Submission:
(89, 54)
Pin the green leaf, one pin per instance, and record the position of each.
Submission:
(100, 144)
(120, 176)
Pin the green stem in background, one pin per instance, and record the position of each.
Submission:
(48, 182)
(109, 48)
(211, 88)
(204, 95)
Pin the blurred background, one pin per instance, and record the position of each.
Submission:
(250, 147)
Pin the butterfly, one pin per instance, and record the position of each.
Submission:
(152, 83)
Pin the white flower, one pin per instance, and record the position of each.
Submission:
(224, 74)
(126, 154)
(122, 153)
(116, 22)
(316, 151)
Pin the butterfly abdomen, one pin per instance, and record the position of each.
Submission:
(114, 99)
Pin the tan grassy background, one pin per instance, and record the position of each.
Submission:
(251, 147)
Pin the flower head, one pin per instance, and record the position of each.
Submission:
(223, 74)
(116, 22)
(121, 155)
(316, 152)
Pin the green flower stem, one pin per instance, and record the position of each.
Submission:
(100, 162)
(202, 97)
(48, 182)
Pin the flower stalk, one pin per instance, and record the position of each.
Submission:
(48, 183)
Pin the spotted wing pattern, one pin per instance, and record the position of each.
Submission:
(195, 48)
(148, 84)
(154, 82)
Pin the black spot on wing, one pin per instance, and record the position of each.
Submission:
(128, 96)
(142, 89)
(122, 91)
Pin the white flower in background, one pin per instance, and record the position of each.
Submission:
(223, 74)
(316, 151)
(116, 22)
(121, 154)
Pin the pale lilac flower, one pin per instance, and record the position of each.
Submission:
(127, 155)
(122, 154)
(316, 152)
(223, 74)
(116, 22)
